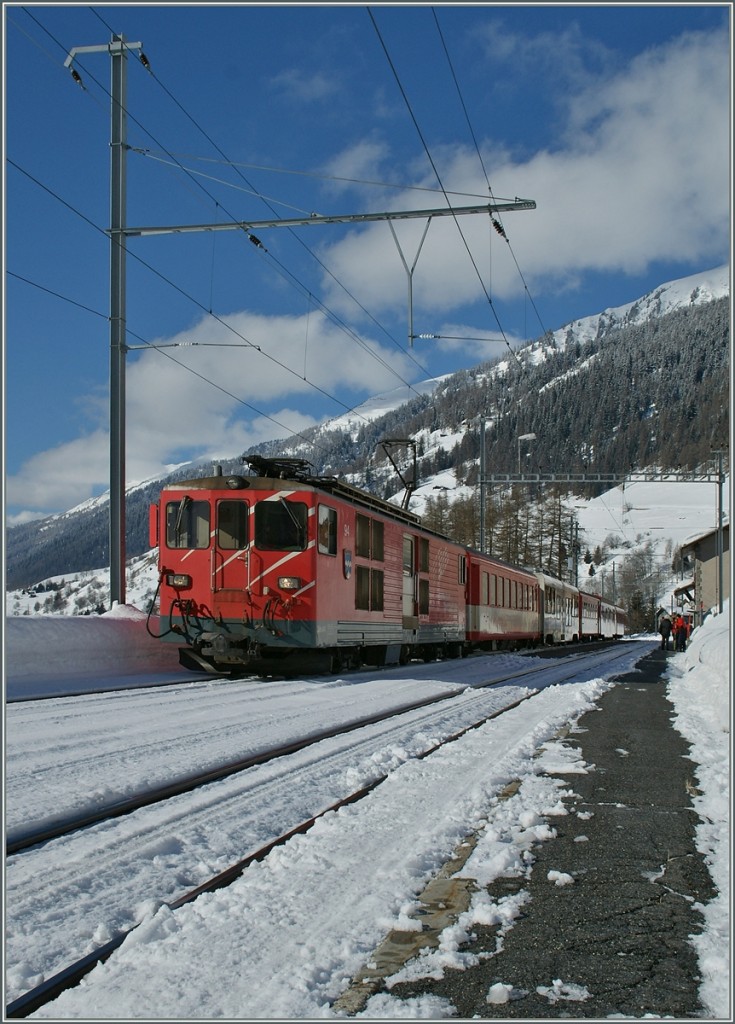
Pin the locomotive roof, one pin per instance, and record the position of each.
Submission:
(276, 474)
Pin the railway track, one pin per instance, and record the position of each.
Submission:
(18, 839)
(305, 761)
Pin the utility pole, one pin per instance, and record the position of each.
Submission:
(720, 531)
(482, 485)
(117, 49)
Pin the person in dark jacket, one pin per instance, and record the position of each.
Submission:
(664, 628)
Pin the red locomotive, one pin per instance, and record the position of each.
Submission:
(284, 572)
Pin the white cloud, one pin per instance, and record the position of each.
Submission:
(199, 402)
(60, 477)
(301, 86)
(640, 174)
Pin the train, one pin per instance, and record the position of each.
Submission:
(280, 572)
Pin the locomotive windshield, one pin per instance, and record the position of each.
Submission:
(187, 523)
(280, 525)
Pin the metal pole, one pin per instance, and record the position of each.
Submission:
(482, 485)
(117, 48)
(409, 275)
(720, 532)
(117, 320)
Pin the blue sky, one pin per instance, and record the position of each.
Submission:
(614, 119)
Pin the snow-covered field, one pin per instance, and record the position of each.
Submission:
(310, 914)
(284, 940)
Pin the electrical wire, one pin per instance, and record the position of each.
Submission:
(153, 270)
(273, 211)
(158, 348)
(484, 170)
(438, 178)
(324, 177)
(281, 268)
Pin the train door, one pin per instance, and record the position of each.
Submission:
(186, 538)
(231, 538)
(410, 583)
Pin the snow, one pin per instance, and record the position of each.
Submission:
(285, 939)
(668, 298)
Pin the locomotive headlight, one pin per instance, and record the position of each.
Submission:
(178, 580)
(289, 582)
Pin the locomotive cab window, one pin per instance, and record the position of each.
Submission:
(280, 525)
(232, 525)
(187, 523)
(327, 530)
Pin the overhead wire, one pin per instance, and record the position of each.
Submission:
(400, 187)
(282, 269)
(158, 348)
(441, 184)
(191, 298)
(172, 284)
(482, 164)
(297, 283)
(294, 234)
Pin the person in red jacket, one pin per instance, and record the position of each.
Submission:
(680, 634)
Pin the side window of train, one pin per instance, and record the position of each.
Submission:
(187, 523)
(369, 585)
(327, 530)
(462, 569)
(423, 554)
(408, 555)
(232, 525)
(369, 538)
(362, 536)
(362, 587)
(423, 597)
(377, 545)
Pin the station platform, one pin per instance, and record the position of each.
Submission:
(615, 943)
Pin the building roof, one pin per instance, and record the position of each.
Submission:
(698, 538)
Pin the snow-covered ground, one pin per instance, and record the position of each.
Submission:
(284, 940)
(309, 916)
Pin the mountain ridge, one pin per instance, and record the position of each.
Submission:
(535, 391)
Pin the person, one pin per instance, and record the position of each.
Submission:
(664, 628)
(680, 634)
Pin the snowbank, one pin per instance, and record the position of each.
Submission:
(79, 650)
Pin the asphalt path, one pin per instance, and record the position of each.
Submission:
(616, 941)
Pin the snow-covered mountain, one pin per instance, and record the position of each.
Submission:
(667, 298)
(432, 412)
(685, 293)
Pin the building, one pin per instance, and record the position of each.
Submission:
(710, 571)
